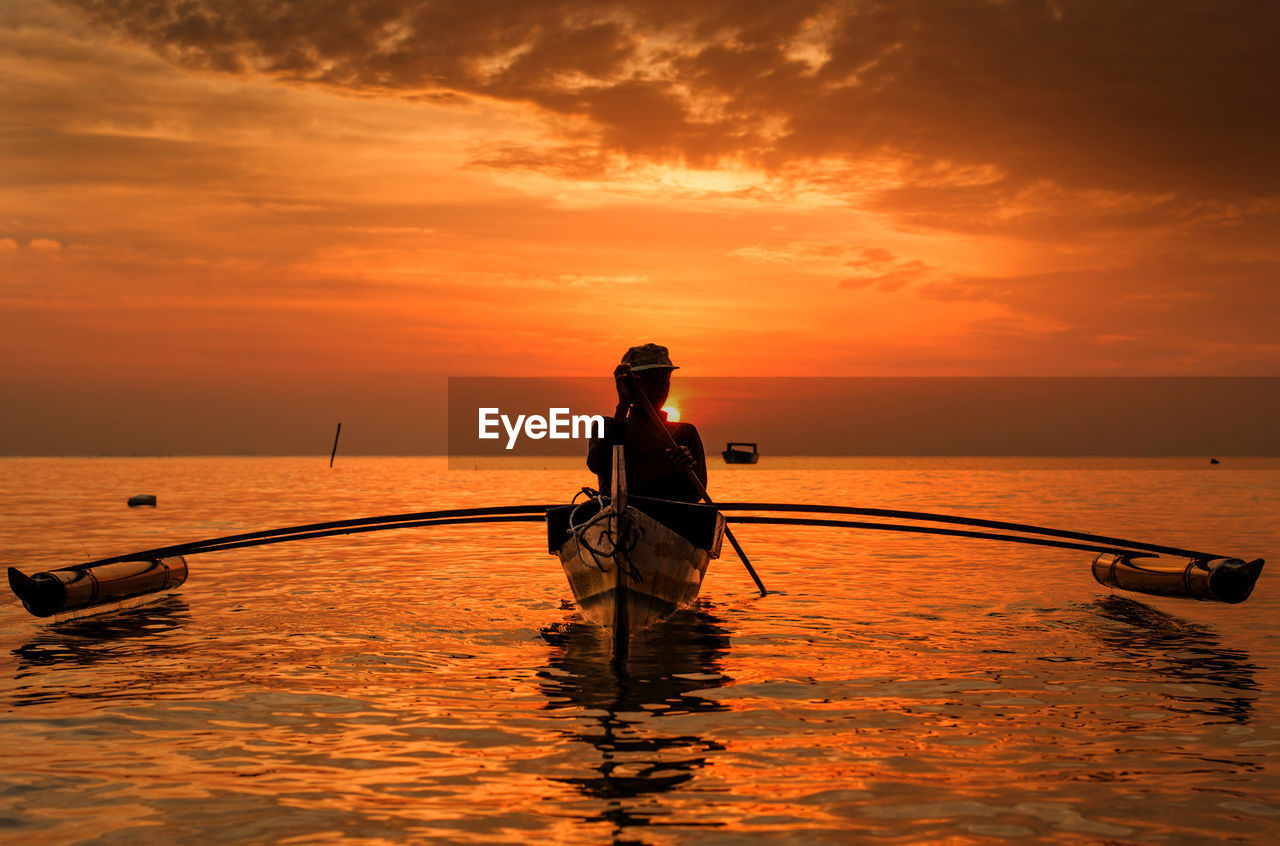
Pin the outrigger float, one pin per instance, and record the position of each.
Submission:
(631, 562)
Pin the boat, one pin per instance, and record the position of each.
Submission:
(632, 562)
(740, 456)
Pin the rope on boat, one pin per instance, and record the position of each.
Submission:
(620, 541)
(579, 529)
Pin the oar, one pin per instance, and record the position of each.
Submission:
(638, 396)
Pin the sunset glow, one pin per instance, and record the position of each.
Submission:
(202, 216)
(961, 317)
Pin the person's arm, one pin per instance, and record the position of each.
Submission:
(600, 451)
(690, 440)
(687, 454)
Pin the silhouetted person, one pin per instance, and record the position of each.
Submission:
(654, 469)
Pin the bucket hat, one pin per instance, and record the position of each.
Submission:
(648, 357)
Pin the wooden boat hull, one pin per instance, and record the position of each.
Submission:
(633, 561)
(644, 580)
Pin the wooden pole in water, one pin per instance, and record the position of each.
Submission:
(335, 444)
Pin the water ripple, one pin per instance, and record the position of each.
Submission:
(436, 686)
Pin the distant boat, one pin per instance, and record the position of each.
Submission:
(740, 456)
(1214, 461)
(142, 499)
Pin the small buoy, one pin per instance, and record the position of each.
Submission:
(142, 499)
(1214, 461)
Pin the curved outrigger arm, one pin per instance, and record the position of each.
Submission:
(123, 578)
(110, 581)
(1201, 575)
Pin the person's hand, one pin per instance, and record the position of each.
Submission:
(622, 379)
(680, 456)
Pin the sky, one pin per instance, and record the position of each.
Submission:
(225, 226)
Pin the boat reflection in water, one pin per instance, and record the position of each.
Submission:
(1170, 649)
(129, 637)
(88, 640)
(638, 762)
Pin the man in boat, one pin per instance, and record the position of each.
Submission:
(654, 469)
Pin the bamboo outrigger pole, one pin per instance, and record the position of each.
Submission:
(931, 517)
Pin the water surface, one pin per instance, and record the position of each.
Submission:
(436, 684)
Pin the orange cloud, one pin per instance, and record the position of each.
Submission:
(385, 193)
(1170, 314)
(1146, 97)
(48, 246)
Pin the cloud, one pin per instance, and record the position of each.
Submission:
(826, 253)
(890, 276)
(58, 158)
(574, 281)
(1186, 313)
(567, 161)
(47, 246)
(1150, 97)
(873, 267)
(878, 268)
(871, 257)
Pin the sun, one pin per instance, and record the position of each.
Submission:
(673, 413)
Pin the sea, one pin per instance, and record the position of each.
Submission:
(436, 685)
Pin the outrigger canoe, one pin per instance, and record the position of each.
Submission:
(633, 561)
